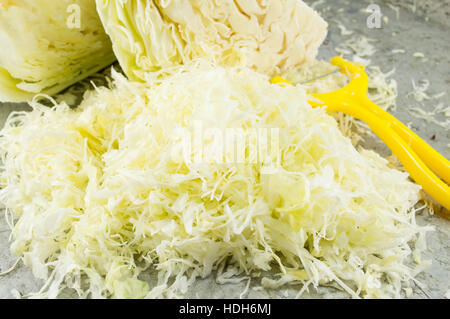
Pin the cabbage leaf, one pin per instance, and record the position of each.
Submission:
(268, 36)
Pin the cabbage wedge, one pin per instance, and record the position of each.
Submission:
(48, 45)
(267, 36)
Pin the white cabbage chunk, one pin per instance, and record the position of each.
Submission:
(99, 193)
(268, 36)
(48, 45)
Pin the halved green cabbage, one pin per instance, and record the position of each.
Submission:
(268, 36)
(44, 49)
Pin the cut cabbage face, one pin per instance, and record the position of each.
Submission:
(48, 45)
(99, 191)
(268, 36)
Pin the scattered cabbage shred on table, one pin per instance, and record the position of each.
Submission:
(100, 198)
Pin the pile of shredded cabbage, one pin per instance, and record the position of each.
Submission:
(268, 36)
(99, 198)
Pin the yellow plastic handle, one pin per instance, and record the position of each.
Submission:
(357, 89)
(403, 142)
(435, 161)
(413, 164)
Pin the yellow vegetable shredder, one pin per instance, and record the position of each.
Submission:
(420, 160)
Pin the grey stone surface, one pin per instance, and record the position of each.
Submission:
(426, 30)
(437, 11)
